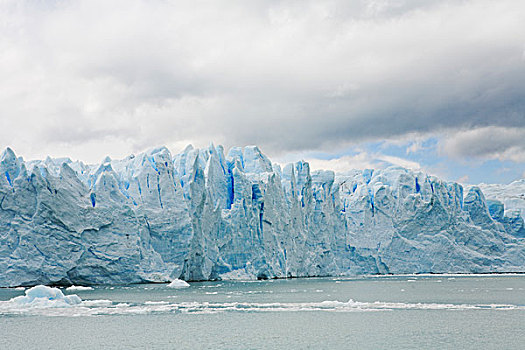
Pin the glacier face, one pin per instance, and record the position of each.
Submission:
(507, 204)
(202, 215)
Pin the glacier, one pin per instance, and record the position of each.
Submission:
(206, 215)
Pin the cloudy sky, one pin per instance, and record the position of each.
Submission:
(436, 85)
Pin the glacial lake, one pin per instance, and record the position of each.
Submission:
(373, 312)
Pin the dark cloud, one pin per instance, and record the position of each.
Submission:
(87, 78)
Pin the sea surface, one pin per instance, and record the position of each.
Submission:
(373, 312)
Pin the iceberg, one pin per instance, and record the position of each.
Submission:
(206, 215)
(177, 283)
(41, 297)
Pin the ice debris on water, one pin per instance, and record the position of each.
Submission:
(42, 297)
(177, 283)
(78, 288)
(205, 215)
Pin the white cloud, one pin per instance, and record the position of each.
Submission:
(89, 78)
(464, 179)
(416, 146)
(405, 163)
(361, 160)
(342, 164)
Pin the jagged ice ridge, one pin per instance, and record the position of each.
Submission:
(201, 215)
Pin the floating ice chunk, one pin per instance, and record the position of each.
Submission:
(155, 302)
(78, 288)
(99, 303)
(42, 297)
(177, 283)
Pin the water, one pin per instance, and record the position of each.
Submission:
(387, 312)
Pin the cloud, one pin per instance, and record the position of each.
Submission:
(405, 163)
(361, 160)
(464, 179)
(86, 78)
(343, 164)
(504, 144)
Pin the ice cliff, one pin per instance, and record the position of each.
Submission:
(506, 205)
(202, 215)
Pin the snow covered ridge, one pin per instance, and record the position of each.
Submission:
(200, 215)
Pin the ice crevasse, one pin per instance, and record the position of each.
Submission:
(202, 215)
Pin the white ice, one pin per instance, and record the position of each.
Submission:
(78, 288)
(177, 283)
(41, 297)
